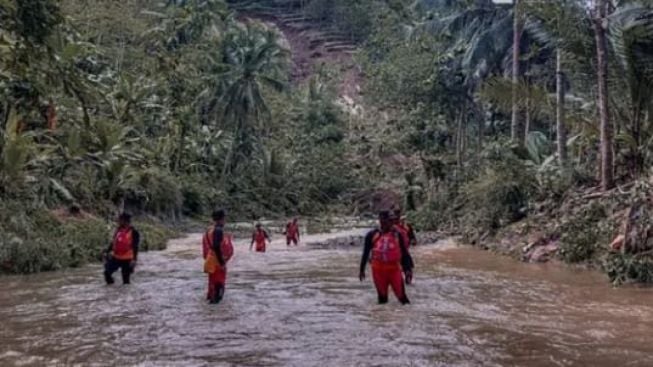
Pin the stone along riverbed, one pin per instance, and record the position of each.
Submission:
(306, 307)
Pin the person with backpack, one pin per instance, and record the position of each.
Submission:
(217, 250)
(405, 228)
(388, 256)
(407, 234)
(122, 252)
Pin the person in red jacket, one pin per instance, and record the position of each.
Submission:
(405, 228)
(407, 234)
(292, 232)
(387, 253)
(260, 237)
(122, 253)
(217, 250)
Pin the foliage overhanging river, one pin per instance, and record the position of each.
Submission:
(306, 307)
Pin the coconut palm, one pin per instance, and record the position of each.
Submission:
(563, 27)
(631, 38)
(253, 59)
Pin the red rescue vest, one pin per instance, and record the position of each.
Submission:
(292, 230)
(403, 231)
(226, 246)
(259, 236)
(386, 248)
(123, 244)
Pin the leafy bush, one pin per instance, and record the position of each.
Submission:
(85, 240)
(198, 197)
(583, 234)
(437, 213)
(34, 240)
(154, 236)
(552, 181)
(155, 190)
(622, 268)
(500, 195)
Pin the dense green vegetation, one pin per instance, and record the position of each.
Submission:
(159, 109)
(489, 120)
(525, 117)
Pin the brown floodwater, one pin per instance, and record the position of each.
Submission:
(306, 307)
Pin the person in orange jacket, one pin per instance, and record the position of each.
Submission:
(408, 235)
(388, 255)
(405, 228)
(260, 237)
(292, 232)
(122, 253)
(217, 250)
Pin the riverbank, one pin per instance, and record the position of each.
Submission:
(38, 240)
(610, 232)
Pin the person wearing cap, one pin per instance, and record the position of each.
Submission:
(260, 238)
(122, 252)
(388, 256)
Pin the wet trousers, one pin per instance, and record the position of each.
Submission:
(112, 265)
(217, 282)
(387, 276)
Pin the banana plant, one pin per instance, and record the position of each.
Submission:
(631, 37)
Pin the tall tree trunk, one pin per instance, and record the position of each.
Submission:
(607, 160)
(180, 148)
(464, 135)
(481, 132)
(561, 129)
(459, 144)
(516, 127)
(527, 117)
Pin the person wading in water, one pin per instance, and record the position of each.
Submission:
(405, 228)
(388, 255)
(407, 234)
(260, 238)
(292, 232)
(122, 253)
(217, 250)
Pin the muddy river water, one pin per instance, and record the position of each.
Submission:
(306, 307)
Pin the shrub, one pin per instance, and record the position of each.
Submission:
(437, 213)
(34, 240)
(500, 195)
(85, 240)
(583, 232)
(622, 268)
(198, 197)
(155, 191)
(153, 236)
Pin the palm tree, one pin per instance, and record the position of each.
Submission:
(516, 127)
(631, 37)
(253, 59)
(561, 128)
(600, 17)
(562, 27)
(478, 37)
